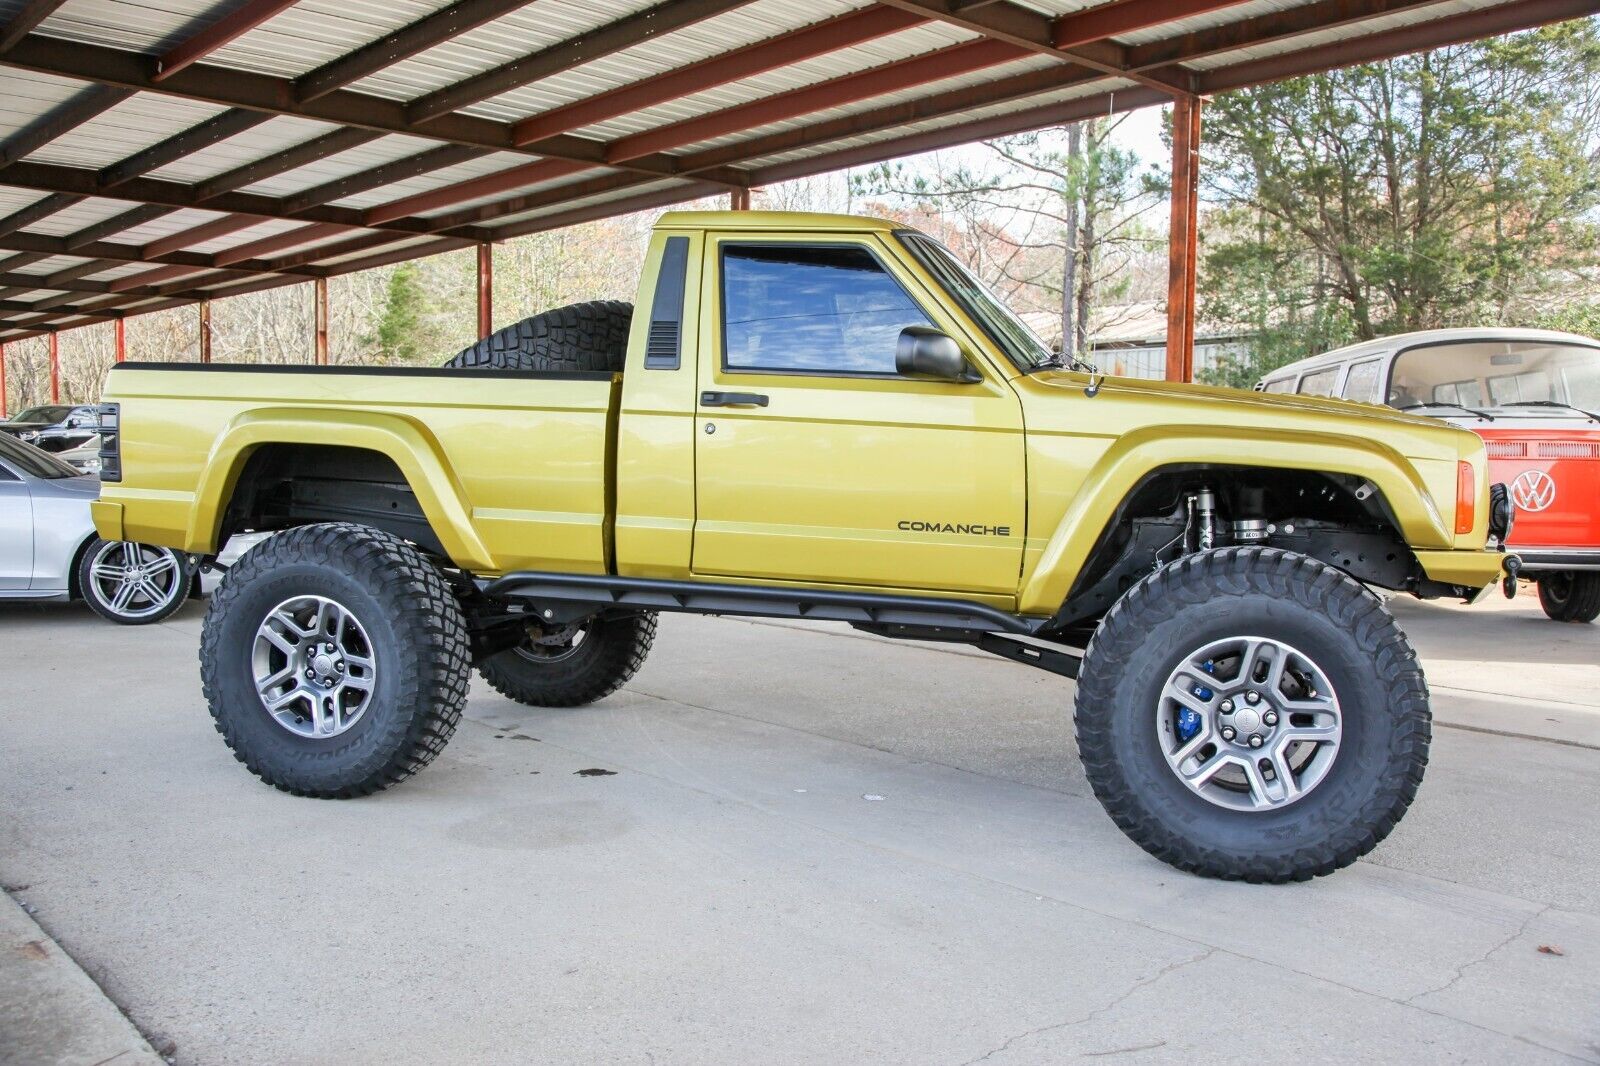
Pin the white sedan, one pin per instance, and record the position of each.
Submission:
(49, 549)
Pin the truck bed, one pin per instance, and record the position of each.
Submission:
(192, 428)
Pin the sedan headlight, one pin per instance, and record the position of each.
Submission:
(90, 465)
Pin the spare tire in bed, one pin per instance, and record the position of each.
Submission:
(587, 336)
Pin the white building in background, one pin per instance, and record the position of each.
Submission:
(1130, 340)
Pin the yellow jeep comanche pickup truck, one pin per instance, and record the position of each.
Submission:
(820, 417)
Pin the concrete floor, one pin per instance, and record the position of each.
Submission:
(814, 847)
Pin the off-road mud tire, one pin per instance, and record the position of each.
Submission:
(1320, 610)
(590, 336)
(418, 637)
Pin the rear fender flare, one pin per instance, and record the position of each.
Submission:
(405, 441)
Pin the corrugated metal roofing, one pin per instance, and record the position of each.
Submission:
(45, 77)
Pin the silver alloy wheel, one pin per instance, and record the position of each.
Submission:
(314, 667)
(1268, 727)
(135, 580)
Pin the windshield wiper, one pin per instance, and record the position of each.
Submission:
(1554, 403)
(1485, 415)
(1059, 361)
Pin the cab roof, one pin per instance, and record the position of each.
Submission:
(776, 220)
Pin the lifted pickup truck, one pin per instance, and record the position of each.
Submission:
(829, 418)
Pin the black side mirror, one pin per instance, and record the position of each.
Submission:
(924, 352)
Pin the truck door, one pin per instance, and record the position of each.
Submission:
(815, 461)
(16, 531)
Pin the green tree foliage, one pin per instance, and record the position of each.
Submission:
(399, 331)
(1456, 187)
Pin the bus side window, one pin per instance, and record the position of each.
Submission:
(1361, 383)
(1319, 383)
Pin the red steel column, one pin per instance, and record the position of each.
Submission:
(205, 331)
(738, 199)
(319, 300)
(485, 290)
(55, 369)
(122, 340)
(1183, 238)
(2, 379)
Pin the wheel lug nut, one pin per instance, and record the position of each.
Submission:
(1252, 697)
(1227, 732)
(1271, 718)
(1255, 740)
(1227, 707)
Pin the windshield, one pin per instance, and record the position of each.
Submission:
(1525, 374)
(43, 414)
(1019, 343)
(32, 461)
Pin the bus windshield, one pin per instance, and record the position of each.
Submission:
(1479, 374)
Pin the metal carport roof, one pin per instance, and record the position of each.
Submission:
(153, 155)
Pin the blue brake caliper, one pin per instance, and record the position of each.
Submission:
(1188, 723)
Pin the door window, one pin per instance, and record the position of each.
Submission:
(811, 309)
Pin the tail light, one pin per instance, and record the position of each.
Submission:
(1466, 496)
(110, 442)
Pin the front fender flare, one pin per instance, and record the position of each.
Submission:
(1135, 455)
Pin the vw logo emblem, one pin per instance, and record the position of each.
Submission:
(1533, 490)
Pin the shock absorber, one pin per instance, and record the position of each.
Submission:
(1206, 506)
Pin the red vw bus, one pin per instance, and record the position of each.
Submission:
(1534, 397)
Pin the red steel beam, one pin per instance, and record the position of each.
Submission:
(205, 331)
(1182, 238)
(408, 41)
(120, 340)
(23, 22)
(59, 120)
(738, 199)
(626, 32)
(485, 290)
(219, 34)
(819, 39)
(55, 368)
(1419, 37)
(3, 413)
(518, 177)
(209, 231)
(319, 314)
(37, 211)
(887, 78)
(279, 242)
(1126, 16)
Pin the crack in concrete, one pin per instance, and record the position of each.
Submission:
(1137, 986)
(1460, 971)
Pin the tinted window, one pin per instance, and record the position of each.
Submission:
(1319, 383)
(42, 414)
(31, 460)
(1280, 385)
(827, 308)
(1362, 381)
